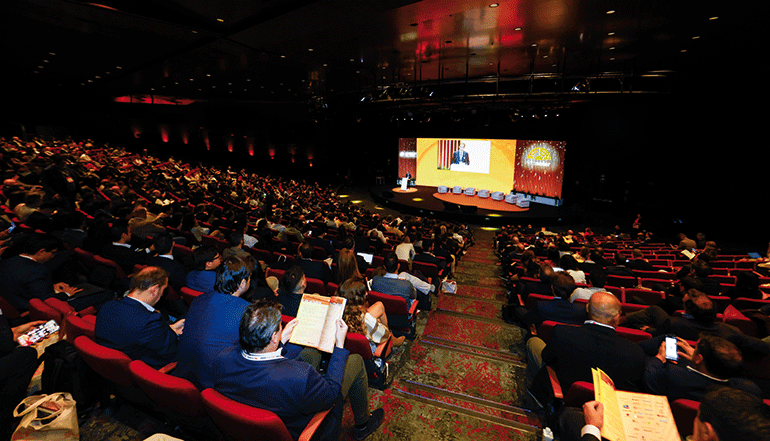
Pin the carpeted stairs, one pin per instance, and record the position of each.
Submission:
(459, 379)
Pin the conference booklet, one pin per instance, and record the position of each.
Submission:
(633, 416)
(316, 325)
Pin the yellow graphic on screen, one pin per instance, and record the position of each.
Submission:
(540, 156)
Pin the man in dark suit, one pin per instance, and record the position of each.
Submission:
(26, 276)
(573, 351)
(164, 258)
(425, 254)
(120, 250)
(132, 326)
(700, 316)
(638, 262)
(559, 309)
(461, 156)
(212, 322)
(262, 371)
(314, 269)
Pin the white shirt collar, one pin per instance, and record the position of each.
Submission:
(593, 322)
(266, 356)
(146, 305)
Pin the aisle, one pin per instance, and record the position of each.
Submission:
(459, 380)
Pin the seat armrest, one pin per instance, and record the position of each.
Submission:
(313, 425)
(413, 308)
(168, 368)
(555, 385)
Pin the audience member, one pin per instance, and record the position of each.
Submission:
(212, 322)
(263, 371)
(362, 318)
(206, 260)
(132, 326)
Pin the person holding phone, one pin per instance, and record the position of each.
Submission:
(713, 361)
(17, 366)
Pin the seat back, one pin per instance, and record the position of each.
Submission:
(315, 286)
(579, 393)
(170, 392)
(429, 270)
(394, 305)
(277, 273)
(544, 331)
(188, 295)
(648, 297)
(9, 311)
(684, 412)
(86, 258)
(119, 273)
(75, 326)
(633, 335)
(241, 421)
(108, 363)
(39, 310)
(359, 344)
(621, 281)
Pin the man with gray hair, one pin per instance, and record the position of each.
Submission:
(264, 371)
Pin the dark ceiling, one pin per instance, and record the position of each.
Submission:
(291, 50)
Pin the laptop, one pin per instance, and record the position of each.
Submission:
(367, 257)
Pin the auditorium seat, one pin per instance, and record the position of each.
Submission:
(622, 281)
(733, 317)
(242, 422)
(39, 310)
(684, 412)
(375, 363)
(401, 319)
(315, 286)
(75, 326)
(177, 398)
(112, 366)
(188, 295)
(648, 297)
(277, 273)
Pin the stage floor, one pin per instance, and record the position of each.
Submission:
(422, 200)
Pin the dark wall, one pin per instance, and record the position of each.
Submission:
(689, 161)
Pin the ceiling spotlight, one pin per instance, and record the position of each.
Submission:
(494, 5)
(220, 20)
(713, 18)
(610, 12)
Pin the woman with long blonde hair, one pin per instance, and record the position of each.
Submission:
(362, 318)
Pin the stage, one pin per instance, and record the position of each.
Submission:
(426, 201)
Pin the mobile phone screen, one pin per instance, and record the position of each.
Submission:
(671, 349)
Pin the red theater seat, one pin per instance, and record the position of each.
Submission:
(246, 423)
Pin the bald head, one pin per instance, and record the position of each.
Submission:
(604, 308)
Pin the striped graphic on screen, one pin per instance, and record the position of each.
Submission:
(445, 149)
